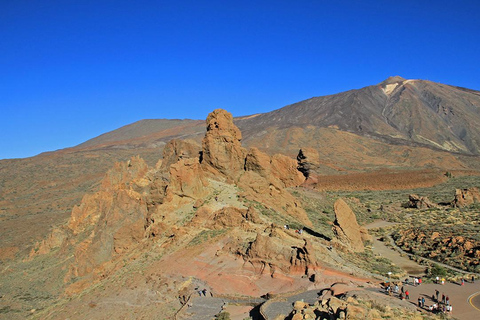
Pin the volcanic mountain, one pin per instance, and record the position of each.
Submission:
(396, 111)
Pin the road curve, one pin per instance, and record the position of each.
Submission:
(474, 300)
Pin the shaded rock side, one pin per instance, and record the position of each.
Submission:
(346, 228)
(308, 161)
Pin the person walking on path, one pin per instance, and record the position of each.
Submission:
(443, 298)
(407, 295)
(419, 302)
(423, 302)
(463, 281)
(473, 279)
(436, 294)
(443, 281)
(447, 300)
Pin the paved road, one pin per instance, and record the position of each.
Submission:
(475, 300)
(459, 297)
(285, 307)
(208, 307)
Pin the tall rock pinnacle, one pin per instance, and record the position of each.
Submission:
(221, 146)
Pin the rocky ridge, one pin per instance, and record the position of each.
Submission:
(138, 206)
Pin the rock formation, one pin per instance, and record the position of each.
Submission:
(222, 149)
(308, 160)
(280, 251)
(417, 202)
(136, 205)
(346, 228)
(466, 197)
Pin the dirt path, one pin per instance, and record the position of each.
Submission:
(402, 261)
(411, 267)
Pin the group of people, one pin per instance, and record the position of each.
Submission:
(439, 305)
(394, 289)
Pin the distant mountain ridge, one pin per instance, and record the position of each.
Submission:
(396, 111)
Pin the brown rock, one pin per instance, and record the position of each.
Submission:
(466, 197)
(179, 149)
(232, 217)
(419, 202)
(221, 145)
(346, 228)
(285, 169)
(187, 179)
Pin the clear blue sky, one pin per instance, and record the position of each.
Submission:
(72, 70)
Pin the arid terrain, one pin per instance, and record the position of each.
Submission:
(187, 219)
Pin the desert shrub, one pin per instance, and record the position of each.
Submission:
(437, 270)
(205, 235)
(223, 316)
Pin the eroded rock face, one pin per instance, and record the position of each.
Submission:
(221, 146)
(234, 217)
(279, 251)
(176, 150)
(466, 197)
(346, 228)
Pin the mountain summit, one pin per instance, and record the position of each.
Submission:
(392, 80)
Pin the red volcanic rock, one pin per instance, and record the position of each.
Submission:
(234, 217)
(278, 251)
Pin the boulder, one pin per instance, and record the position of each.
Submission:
(346, 228)
(466, 197)
(416, 202)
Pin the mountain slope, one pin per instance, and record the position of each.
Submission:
(149, 133)
(399, 111)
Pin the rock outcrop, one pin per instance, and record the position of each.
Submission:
(136, 205)
(466, 197)
(279, 251)
(417, 202)
(346, 228)
(308, 161)
(221, 147)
